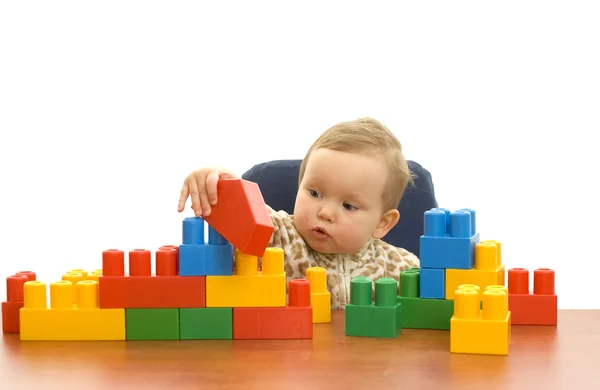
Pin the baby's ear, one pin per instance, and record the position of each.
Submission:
(388, 220)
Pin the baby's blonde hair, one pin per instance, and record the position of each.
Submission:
(368, 136)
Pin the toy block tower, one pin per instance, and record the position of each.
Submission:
(418, 312)
(152, 301)
(234, 297)
(484, 331)
(252, 302)
(539, 307)
(452, 254)
(381, 318)
(14, 300)
(196, 290)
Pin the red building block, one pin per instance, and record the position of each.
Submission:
(537, 308)
(142, 290)
(176, 247)
(291, 322)
(14, 301)
(241, 216)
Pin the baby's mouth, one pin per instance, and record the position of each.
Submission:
(321, 232)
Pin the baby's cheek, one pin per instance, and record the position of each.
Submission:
(347, 234)
(354, 235)
(301, 219)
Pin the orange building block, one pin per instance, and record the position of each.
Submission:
(539, 307)
(14, 301)
(142, 290)
(241, 216)
(292, 322)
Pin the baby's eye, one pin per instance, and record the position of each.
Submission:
(350, 207)
(314, 193)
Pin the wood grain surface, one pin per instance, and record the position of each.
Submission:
(563, 357)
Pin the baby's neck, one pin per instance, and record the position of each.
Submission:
(342, 253)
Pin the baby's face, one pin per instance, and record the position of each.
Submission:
(339, 203)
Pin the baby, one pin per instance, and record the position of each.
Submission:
(350, 184)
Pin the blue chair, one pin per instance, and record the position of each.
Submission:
(278, 182)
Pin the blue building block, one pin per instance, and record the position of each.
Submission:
(449, 239)
(433, 283)
(197, 258)
(193, 231)
(214, 238)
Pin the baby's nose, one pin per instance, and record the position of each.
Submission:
(325, 214)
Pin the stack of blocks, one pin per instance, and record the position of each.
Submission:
(455, 267)
(194, 292)
(453, 258)
(217, 290)
(452, 254)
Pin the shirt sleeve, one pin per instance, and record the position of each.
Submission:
(284, 228)
(286, 237)
(398, 260)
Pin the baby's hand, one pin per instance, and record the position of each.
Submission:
(201, 186)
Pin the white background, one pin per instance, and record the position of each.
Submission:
(105, 108)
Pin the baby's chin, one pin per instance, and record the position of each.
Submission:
(354, 248)
(318, 246)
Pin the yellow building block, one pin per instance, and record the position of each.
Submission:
(488, 269)
(95, 275)
(320, 298)
(484, 331)
(247, 287)
(77, 275)
(66, 319)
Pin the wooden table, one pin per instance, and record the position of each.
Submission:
(565, 357)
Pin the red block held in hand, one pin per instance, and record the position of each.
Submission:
(241, 216)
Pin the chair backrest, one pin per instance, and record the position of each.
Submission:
(278, 182)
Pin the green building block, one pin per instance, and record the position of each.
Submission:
(152, 324)
(382, 318)
(210, 323)
(420, 313)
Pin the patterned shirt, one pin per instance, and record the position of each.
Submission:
(375, 260)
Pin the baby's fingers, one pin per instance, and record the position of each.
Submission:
(185, 192)
(211, 186)
(198, 195)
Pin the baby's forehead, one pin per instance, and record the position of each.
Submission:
(341, 165)
(347, 186)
